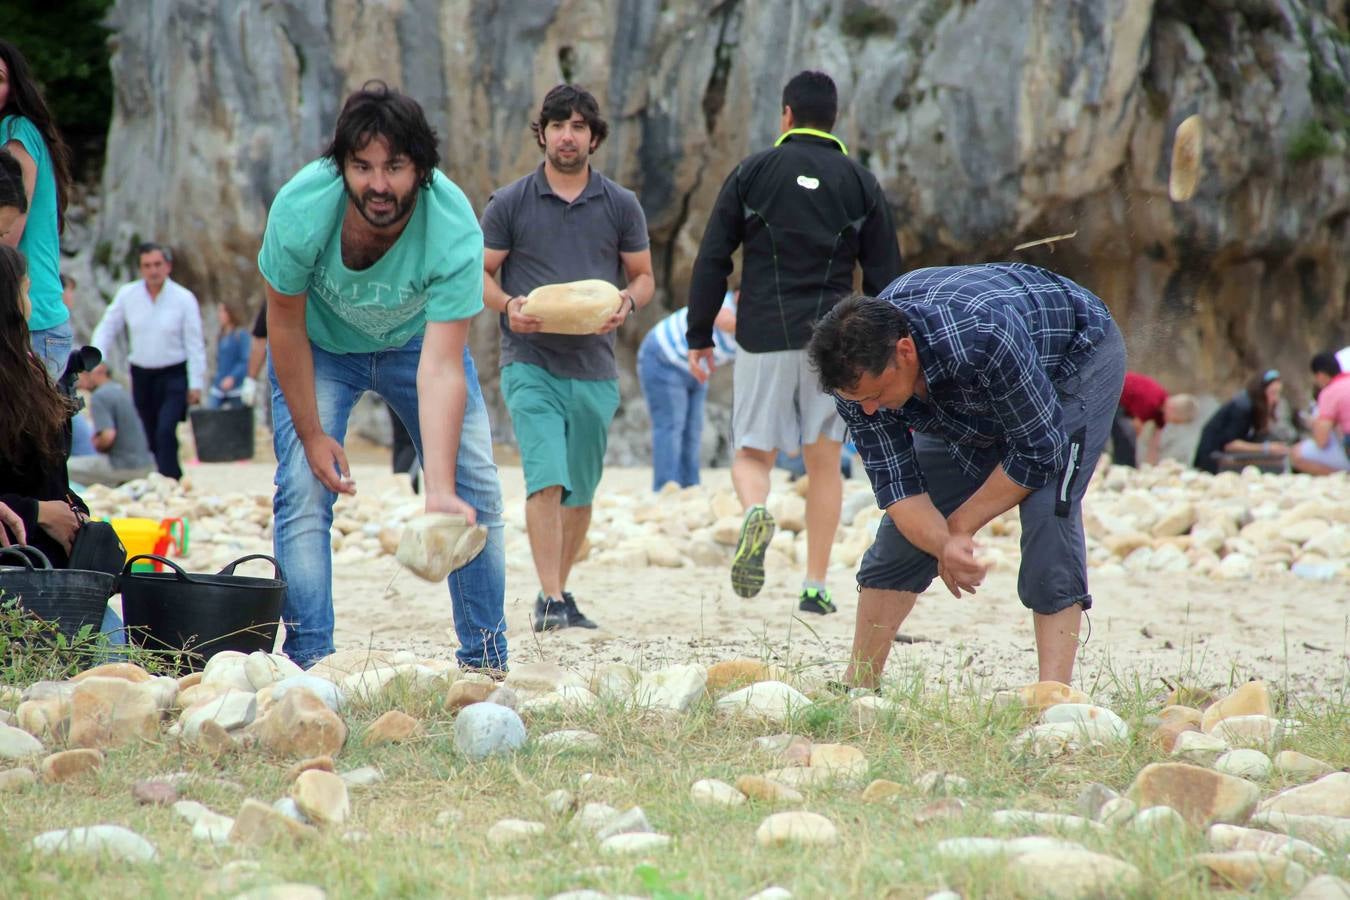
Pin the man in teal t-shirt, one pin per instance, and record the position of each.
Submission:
(374, 267)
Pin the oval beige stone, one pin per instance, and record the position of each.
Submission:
(757, 787)
(1248, 870)
(1202, 796)
(796, 827)
(574, 307)
(1252, 699)
(69, 764)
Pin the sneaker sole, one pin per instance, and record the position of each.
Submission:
(548, 626)
(747, 568)
(819, 609)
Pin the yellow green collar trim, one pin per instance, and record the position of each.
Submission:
(814, 133)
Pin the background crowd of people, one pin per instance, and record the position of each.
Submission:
(563, 221)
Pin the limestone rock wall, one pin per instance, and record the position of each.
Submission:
(989, 123)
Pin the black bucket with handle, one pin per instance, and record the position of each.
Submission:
(199, 615)
(67, 598)
(222, 435)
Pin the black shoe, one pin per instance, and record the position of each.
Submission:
(575, 617)
(817, 601)
(747, 567)
(550, 614)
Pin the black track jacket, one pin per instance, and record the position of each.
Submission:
(805, 213)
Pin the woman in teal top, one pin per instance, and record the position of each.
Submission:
(28, 132)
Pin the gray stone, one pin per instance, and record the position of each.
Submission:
(634, 842)
(486, 729)
(1092, 798)
(291, 810)
(630, 821)
(1325, 887)
(233, 709)
(331, 695)
(112, 840)
(17, 744)
(362, 777)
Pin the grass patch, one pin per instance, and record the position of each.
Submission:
(422, 831)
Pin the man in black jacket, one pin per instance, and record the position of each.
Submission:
(806, 214)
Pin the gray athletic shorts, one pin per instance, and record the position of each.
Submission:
(778, 403)
(1053, 574)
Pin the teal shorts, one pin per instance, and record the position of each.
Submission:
(562, 429)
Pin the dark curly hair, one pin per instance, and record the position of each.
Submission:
(379, 110)
(855, 338)
(33, 410)
(558, 106)
(12, 193)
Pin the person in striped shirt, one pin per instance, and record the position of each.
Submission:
(674, 396)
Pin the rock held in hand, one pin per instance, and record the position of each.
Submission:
(435, 544)
(573, 307)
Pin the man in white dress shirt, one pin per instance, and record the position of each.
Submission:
(167, 356)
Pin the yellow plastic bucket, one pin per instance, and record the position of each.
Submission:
(150, 536)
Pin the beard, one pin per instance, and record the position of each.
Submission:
(399, 209)
(569, 165)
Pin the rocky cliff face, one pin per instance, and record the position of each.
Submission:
(989, 123)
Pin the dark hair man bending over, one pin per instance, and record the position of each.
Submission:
(374, 268)
(806, 215)
(1008, 376)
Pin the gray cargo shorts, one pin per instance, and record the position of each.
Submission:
(777, 403)
(1053, 573)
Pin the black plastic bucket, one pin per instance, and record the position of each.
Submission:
(68, 598)
(200, 615)
(223, 435)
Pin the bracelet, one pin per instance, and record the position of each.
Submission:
(1265, 446)
(632, 304)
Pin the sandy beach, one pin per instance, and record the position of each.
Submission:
(1144, 625)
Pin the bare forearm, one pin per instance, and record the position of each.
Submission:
(257, 353)
(442, 396)
(1155, 446)
(997, 495)
(641, 288)
(294, 365)
(494, 297)
(920, 522)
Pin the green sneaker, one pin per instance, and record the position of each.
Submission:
(817, 601)
(747, 567)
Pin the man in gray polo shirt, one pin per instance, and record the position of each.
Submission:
(123, 453)
(562, 222)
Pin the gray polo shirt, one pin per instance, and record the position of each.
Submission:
(111, 407)
(551, 241)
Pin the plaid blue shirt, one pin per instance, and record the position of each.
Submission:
(994, 343)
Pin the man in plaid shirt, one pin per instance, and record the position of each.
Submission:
(970, 390)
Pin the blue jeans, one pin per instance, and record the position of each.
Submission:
(303, 508)
(675, 403)
(52, 345)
